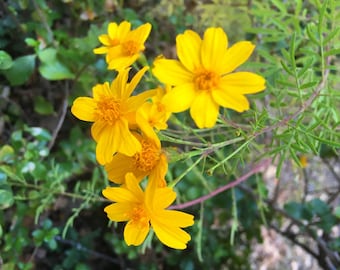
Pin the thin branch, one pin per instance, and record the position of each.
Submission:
(303, 107)
(80, 247)
(320, 242)
(258, 168)
(63, 111)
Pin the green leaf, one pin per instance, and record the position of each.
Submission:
(5, 60)
(55, 70)
(308, 85)
(3, 178)
(294, 209)
(337, 211)
(312, 33)
(331, 35)
(6, 153)
(48, 55)
(32, 42)
(318, 207)
(6, 199)
(42, 106)
(306, 66)
(21, 70)
(332, 52)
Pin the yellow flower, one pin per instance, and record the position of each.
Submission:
(153, 115)
(202, 77)
(122, 45)
(142, 209)
(113, 110)
(150, 161)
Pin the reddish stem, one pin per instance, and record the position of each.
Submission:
(258, 168)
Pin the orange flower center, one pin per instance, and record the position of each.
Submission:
(114, 42)
(139, 215)
(148, 158)
(108, 109)
(206, 80)
(130, 48)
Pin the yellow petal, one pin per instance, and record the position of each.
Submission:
(122, 62)
(141, 33)
(236, 55)
(128, 144)
(176, 218)
(123, 30)
(214, 46)
(243, 83)
(100, 50)
(179, 98)
(135, 102)
(118, 167)
(133, 185)
(97, 129)
(157, 175)
(135, 232)
(188, 49)
(84, 108)
(119, 211)
(105, 39)
(107, 144)
(171, 72)
(134, 82)
(102, 90)
(112, 30)
(173, 237)
(160, 197)
(119, 194)
(142, 120)
(204, 110)
(231, 100)
(118, 85)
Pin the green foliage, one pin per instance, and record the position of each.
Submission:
(50, 185)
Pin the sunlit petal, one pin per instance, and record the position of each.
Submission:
(135, 232)
(231, 100)
(188, 49)
(236, 55)
(171, 72)
(84, 108)
(204, 110)
(119, 211)
(179, 98)
(243, 83)
(173, 237)
(214, 46)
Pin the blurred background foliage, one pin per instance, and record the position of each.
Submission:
(50, 184)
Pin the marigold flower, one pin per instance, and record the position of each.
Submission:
(142, 209)
(150, 161)
(113, 110)
(152, 115)
(122, 45)
(202, 77)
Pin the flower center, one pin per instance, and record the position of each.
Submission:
(206, 80)
(114, 42)
(130, 47)
(108, 109)
(139, 215)
(147, 159)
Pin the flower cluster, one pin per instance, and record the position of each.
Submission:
(126, 125)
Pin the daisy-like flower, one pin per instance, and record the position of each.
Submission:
(122, 45)
(113, 110)
(142, 209)
(202, 77)
(152, 115)
(149, 161)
